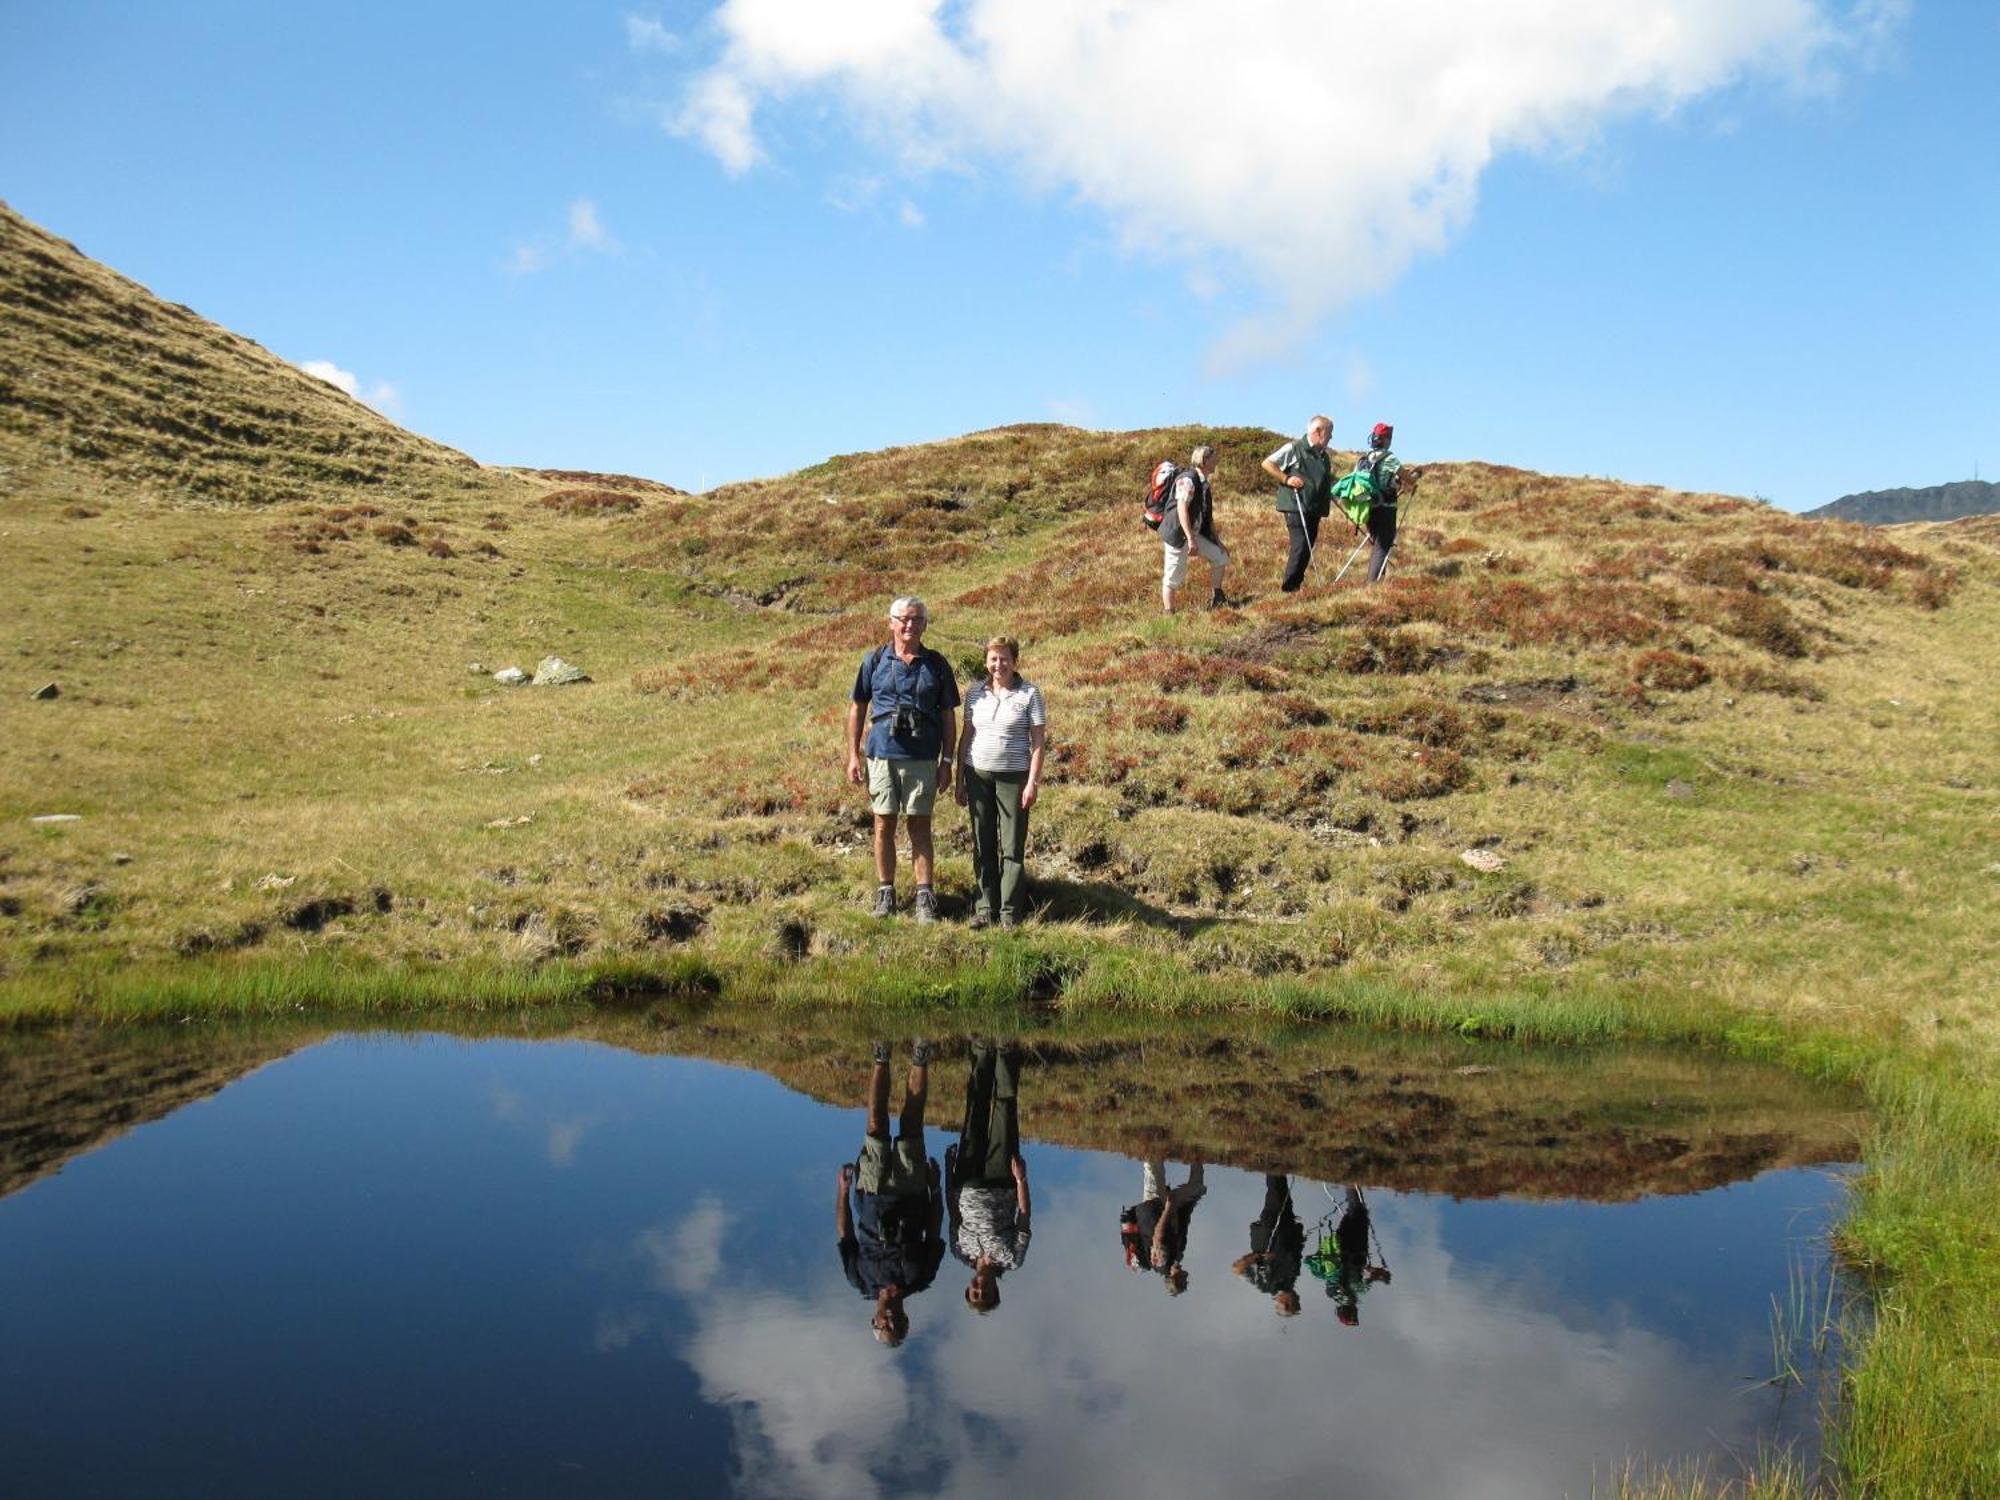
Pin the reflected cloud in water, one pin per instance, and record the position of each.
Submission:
(1470, 1375)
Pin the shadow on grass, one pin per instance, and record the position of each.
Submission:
(1095, 901)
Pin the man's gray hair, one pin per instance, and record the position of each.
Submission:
(906, 603)
(1201, 456)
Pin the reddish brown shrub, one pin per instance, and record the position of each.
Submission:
(395, 533)
(1933, 590)
(1753, 677)
(1298, 710)
(1765, 623)
(589, 502)
(1670, 671)
(1419, 774)
(1156, 715)
(1390, 653)
(437, 546)
(855, 632)
(1425, 720)
(720, 673)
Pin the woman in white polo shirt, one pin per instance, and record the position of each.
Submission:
(1000, 774)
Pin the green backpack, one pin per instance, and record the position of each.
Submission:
(1355, 494)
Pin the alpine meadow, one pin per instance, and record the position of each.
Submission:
(1597, 762)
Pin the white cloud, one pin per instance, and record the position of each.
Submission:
(383, 396)
(564, 1137)
(1360, 380)
(527, 259)
(911, 215)
(1316, 147)
(851, 194)
(647, 34)
(332, 374)
(584, 234)
(687, 1258)
(587, 231)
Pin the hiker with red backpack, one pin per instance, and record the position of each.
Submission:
(1188, 525)
(1304, 471)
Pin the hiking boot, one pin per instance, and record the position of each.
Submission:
(1218, 600)
(920, 1054)
(926, 904)
(882, 1053)
(1008, 921)
(885, 902)
(978, 920)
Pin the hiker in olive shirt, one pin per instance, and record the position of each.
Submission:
(1277, 1248)
(1304, 471)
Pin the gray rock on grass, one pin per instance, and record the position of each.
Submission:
(555, 672)
(45, 692)
(510, 677)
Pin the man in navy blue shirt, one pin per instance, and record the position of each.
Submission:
(891, 1234)
(906, 699)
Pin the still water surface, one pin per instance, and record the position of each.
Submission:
(425, 1265)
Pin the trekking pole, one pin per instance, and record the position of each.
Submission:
(1351, 557)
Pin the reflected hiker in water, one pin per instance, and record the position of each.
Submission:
(1277, 1249)
(890, 1240)
(1341, 1260)
(1154, 1230)
(986, 1179)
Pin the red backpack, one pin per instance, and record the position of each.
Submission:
(1160, 492)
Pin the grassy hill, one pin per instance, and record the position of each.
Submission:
(1937, 502)
(158, 400)
(1737, 766)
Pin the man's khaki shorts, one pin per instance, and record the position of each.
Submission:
(905, 788)
(896, 1168)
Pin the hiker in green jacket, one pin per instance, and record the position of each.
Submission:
(1304, 471)
(1389, 474)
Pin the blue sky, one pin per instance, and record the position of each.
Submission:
(1742, 245)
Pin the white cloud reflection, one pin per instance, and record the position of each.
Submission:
(1090, 1380)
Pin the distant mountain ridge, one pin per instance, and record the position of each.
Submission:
(1937, 502)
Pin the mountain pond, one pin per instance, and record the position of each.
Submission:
(620, 1258)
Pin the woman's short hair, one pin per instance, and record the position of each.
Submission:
(1005, 643)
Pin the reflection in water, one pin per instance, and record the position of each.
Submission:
(1154, 1231)
(1341, 1261)
(384, 1290)
(1277, 1248)
(987, 1177)
(890, 1244)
